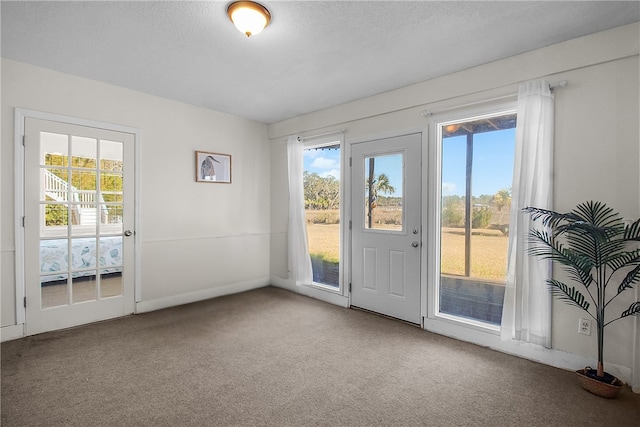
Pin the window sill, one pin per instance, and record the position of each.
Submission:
(466, 323)
(324, 293)
(324, 287)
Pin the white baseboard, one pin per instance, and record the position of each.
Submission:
(537, 353)
(12, 332)
(174, 300)
(283, 283)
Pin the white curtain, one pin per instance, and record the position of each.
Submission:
(299, 260)
(526, 314)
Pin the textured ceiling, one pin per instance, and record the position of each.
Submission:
(313, 55)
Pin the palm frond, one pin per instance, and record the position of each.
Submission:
(584, 245)
(614, 246)
(620, 260)
(550, 218)
(590, 236)
(570, 294)
(597, 213)
(578, 264)
(632, 231)
(541, 241)
(633, 310)
(632, 277)
(597, 242)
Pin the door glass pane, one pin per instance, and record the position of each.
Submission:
(83, 219)
(54, 254)
(111, 219)
(54, 149)
(321, 182)
(54, 290)
(111, 266)
(111, 187)
(54, 219)
(54, 185)
(383, 204)
(84, 287)
(83, 182)
(111, 253)
(111, 156)
(83, 254)
(110, 284)
(84, 152)
(477, 169)
(83, 191)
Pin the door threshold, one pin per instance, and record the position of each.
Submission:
(386, 316)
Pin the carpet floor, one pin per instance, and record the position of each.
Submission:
(269, 357)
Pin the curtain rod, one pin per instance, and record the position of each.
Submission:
(302, 138)
(427, 113)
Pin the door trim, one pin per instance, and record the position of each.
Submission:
(21, 114)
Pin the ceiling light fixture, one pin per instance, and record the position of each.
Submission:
(248, 17)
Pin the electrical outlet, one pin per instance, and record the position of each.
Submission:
(584, 326)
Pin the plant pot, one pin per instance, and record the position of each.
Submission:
(607, 386)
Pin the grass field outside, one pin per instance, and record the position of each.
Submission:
(488, 253)
(488, 247)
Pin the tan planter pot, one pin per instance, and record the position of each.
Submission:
(599, 388)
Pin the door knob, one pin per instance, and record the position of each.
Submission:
(128, 233)
(415, 244)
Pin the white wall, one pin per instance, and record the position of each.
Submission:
(198, 240)
(597, 154)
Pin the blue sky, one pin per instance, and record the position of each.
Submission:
(390, 165)
(327, 162)
(323, 162)
(492, 164)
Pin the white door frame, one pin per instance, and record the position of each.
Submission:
(21, 115)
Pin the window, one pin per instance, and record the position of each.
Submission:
(383, 204)
(321, 182)
(477, 156)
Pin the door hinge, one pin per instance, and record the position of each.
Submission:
(25, 302)
(349, 224)
(24, 140)
(349, 286)
(350, 161)
(23, 220)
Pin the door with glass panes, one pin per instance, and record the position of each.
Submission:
(78, 224)
(386, 226)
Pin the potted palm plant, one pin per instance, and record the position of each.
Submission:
(601, 254)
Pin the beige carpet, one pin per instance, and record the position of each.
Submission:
(270, 357)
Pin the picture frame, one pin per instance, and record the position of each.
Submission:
(213, 167)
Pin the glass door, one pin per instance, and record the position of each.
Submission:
(78, 224)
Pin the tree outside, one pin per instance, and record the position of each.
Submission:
(84, 182)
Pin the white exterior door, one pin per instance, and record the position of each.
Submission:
(386, 226)
(79, 258)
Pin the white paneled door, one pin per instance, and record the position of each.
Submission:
(386, 226)
(79, 257)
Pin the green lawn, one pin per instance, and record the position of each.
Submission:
(488, 250)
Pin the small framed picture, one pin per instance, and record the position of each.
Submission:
(213, 167)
